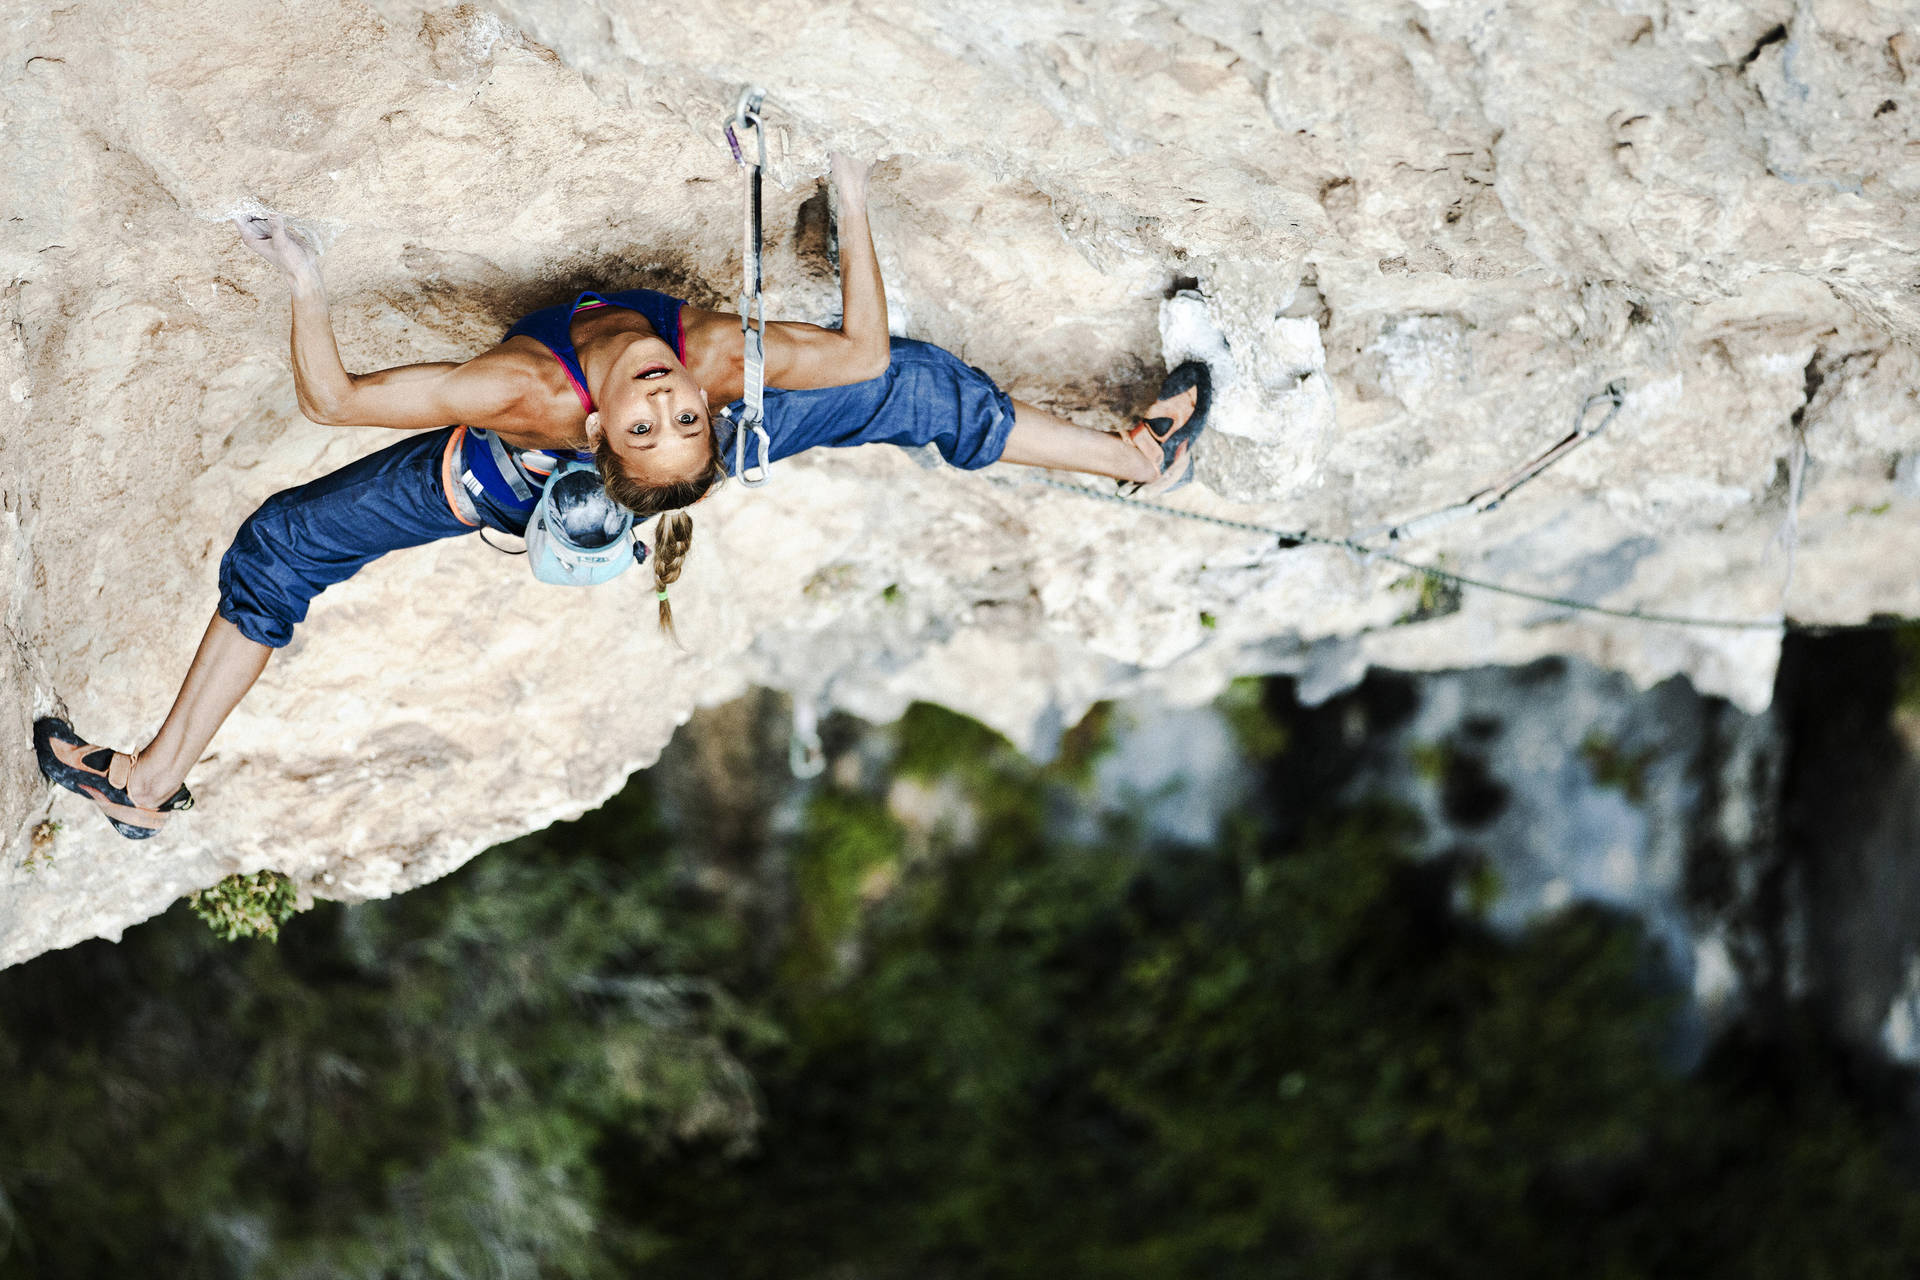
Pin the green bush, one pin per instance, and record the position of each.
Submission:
(1022, 1055)
(246, 906)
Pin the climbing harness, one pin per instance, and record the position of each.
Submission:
(753, 307)
(1500, 490)
(577, 535)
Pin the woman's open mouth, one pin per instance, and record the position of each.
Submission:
(653, 371)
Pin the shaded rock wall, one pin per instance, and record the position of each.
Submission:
(1486, 210)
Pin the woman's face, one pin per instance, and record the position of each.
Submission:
(654, 415)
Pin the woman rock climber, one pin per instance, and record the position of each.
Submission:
(626, 377)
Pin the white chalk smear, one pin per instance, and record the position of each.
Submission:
(1188, 332)
(318, 232)
(487, 33)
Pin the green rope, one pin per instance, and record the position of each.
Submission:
(1287, 539)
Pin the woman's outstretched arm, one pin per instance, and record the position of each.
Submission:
(863, 294)
(801, 356)
(408, 397)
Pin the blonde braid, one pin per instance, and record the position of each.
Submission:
(673, 533)
(672, 538)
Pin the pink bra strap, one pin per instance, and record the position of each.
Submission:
(586, 401)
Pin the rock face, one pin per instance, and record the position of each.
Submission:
(1425, 230)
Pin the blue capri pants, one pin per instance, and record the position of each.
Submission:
(927, 396)
(305, 539)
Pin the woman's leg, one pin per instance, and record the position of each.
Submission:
(223, 670)
(1042, 439)
(300, 542)
(931, 396)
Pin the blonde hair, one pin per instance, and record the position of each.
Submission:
(673, 532)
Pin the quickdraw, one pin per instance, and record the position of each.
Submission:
(753, 307)
(1614, 394)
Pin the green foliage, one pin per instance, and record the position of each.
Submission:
(40, 845)
(1907, 678)
(934, 741)
(1024, 1057)
(1260, 733)
(1208, 621)
(1615, 767)
(1081, 749)
(420, 1087)
(1434, 594)
(246, 906)
(1430, 760)
(1267, 1061)
(846, 840)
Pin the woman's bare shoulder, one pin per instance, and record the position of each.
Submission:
(713, 352)
(708, 333)
(527, 386)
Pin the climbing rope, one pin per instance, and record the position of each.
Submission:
(1287, 539)
(753, 306)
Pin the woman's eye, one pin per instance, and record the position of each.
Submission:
(687, 419)
(641, 428)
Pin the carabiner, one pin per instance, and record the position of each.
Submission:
(751, 424)
(746, 111)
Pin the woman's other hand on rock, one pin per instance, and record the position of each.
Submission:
(849, 180)
(274, 240)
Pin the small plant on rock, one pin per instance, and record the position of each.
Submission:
(242, 906)
(1434, 594)
(40, 849)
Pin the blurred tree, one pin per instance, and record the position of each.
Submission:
(408, 1088)
(1261, 1060)
(986, 1051)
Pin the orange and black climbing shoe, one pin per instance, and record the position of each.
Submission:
(100, 774)
(1171, 442)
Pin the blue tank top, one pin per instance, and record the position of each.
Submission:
(507, 481)
(551, 327)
